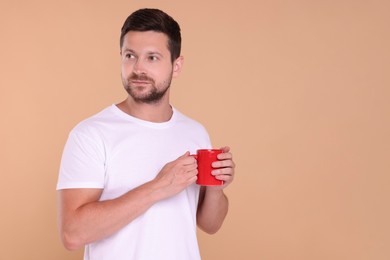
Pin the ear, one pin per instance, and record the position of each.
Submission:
(177, 65)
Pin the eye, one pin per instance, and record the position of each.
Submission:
(129, 56)
(152, 58)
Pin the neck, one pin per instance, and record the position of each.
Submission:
(156, 112)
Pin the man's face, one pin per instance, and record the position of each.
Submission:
(147, 69)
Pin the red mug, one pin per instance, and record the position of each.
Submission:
(205, 157)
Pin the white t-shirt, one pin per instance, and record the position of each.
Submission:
(117, 152)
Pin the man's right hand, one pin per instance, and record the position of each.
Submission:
(175, 176)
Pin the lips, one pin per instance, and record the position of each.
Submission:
(140, 79)
(140, 83)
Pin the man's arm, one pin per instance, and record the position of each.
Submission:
(84, 219)
(213, 204)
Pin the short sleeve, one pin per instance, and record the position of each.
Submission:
(82, 163)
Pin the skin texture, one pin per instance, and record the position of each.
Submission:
(147, 71)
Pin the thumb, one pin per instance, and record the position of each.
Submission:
(185, 154)
(225, 149)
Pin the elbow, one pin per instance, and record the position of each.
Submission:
(210, 229)
(210, 225)
(70, 241)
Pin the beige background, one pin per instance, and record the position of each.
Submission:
(299, 89)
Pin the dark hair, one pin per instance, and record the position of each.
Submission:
(154, 20)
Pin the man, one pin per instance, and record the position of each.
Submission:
(127, 180)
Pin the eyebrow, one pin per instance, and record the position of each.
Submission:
(128, 50)
(149, 52)
(155, 53)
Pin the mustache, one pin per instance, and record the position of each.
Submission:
(141, 77)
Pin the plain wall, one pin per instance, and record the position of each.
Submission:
(299, 90)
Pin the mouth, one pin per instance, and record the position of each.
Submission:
(140, 82)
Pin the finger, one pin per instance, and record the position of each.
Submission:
(192, 179)
(225, 149)
(223, 163)
(223, 171)
(225, 178)
(193, 172)
(225, 156)
(191, 167)
(190, 176)
(186, 154)
(187, 158)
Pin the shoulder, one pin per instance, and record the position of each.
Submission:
(94, 124)
(186, 120)
(192, 129)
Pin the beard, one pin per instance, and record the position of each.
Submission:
(153, 95)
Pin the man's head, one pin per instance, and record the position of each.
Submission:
(154, 20)
(150, 52)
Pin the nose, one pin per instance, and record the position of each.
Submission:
(139, 67)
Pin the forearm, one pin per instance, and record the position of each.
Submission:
(98, 219)
(85, 219)
(212, 210)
